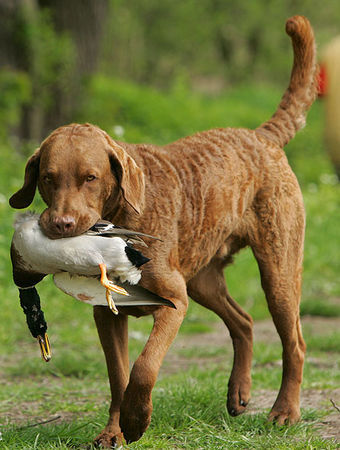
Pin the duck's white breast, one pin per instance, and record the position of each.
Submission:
(39, 253)
(78, 255)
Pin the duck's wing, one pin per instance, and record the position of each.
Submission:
(100, 227)
(139, 296)
(107, 229)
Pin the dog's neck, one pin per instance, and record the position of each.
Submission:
(122, 215)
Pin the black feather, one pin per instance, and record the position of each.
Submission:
(107, 229)
(30, 303)
(135, 256)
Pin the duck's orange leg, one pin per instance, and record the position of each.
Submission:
(110, 286)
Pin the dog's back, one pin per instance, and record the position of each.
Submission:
(217, 176)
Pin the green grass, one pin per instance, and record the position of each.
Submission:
(189, 413)
(189, 399)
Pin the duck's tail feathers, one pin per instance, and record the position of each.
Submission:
(135, 256)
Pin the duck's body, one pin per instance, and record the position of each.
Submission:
(81, 255)
(75, 263)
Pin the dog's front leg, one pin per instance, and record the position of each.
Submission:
(136, 409)
(113, 334)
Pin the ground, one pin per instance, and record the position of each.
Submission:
(264, 330)
(65, 399)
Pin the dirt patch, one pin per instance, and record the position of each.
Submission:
(328, 427)
(321, 325)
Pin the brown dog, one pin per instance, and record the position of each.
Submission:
(207, 196)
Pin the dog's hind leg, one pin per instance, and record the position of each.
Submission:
(208, 288)
(277, 244)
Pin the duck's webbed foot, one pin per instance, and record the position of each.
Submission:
(110, 286)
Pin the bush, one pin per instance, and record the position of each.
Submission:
(15, 88)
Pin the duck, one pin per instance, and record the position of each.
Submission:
(80, 266)
(103, 248)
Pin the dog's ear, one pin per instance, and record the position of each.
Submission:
(24, 196)
(130, 176)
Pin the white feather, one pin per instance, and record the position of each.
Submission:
(24, 217)
(78, 255)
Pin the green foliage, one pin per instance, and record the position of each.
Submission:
(41, 80)
(48, 56)
(321, 262)
(15, 89)
(137, 113)
(222, 40)
(210, 44)
(150, 115)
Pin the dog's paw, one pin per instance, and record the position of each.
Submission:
(284, 414)
(135, 417)
(238, 395)
(106, 439)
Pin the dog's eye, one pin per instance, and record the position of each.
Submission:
(47, 178)
(90, 177)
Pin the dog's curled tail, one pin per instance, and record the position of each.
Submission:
(302, 90)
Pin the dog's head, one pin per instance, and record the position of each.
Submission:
(82, 175)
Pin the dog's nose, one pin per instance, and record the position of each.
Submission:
(64, 224)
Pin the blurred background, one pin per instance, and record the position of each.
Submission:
(90, 60)
(154, 71)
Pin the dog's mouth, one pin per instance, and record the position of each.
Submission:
(58, 227)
